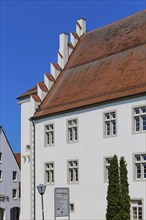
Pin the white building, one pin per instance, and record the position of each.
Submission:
(9, 181)
(94, 107)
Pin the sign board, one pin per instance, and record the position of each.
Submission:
(61, 198)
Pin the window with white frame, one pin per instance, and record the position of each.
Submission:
(49, 135)
(0, 157)
(140, 166)
(107, 162)
(136, 210)
(110, 124)
(14, 193)
(139, 119)
(14, 176)
(72, 128)
(0, 175)
(49, 173)
(73, 175)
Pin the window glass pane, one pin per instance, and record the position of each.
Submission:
(144, 157)
(144, 122)
(137, 123)
(136, 110)
(138, 171)
(144, 171)
(107, 115)
(137, 157)
(143, 109)
(134, 213)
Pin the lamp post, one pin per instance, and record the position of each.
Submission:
(41, 189)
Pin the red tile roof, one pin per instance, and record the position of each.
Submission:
(18, 159)
(33, 90)
(108, 63)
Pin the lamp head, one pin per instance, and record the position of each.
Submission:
(41, 189)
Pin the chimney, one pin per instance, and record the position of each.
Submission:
(63, 50)
(81, 26)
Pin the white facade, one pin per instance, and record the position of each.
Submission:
(9, 181)
(91, 149)
(72, 149)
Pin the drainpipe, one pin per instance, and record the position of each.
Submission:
(33, 166)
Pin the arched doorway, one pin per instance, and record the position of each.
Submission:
(14, 213)
(2, 213)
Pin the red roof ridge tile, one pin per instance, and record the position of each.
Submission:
(60, 54)
(75, 35)
(79, 25)
(43, 86)
(50, 77)
(36, 98)
(56, 65)
(70, 45)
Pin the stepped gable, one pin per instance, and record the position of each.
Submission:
(107, 64)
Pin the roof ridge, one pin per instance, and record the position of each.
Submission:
(115, 22)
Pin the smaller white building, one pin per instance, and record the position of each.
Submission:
(9, 181)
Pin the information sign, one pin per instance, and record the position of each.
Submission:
(61, 202)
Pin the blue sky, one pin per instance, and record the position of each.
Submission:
(30, 41)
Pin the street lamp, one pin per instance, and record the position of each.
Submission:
(41, 189)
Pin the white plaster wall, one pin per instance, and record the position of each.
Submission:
(26, 196)
(8, 165)
(89, 195)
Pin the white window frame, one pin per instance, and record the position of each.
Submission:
(134, 204)
(14, 196)
(110, 124)
(72, 127)
(106, 167)
(138, 114)
(73, 171)
(49, 173)
(14, 179)
(49, 133)
(139, 161)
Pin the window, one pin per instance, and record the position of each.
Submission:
(49, 173)
(72, 207)
(0, 175)
(140, 166)
(110, 124)
(107, 162)
(72, 130)
(73, 171)
(136, 209)
(139, 119)
(14, 176)
(0, 157)
(14, 194)
(19, 190)
(49, 135)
